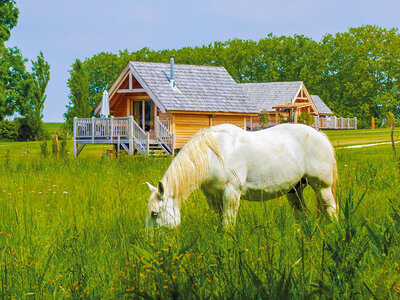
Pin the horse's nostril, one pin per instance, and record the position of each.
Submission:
(154, 214)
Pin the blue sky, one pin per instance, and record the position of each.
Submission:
(69, 29)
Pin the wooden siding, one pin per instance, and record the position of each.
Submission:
(235, 120)
(186, 125)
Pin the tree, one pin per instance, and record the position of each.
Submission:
(79, 105)
(35, 90)
(8, 18)
(12, 68)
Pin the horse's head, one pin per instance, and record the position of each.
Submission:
(161, 209)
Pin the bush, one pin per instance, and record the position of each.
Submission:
(25, 131)
(8, 130)
(263, 118)
(306, 118)
(43, 150)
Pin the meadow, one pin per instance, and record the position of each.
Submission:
(75, 228)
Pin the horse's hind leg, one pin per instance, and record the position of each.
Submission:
(326, 202)
(231, 201)
(296, 199)
(214, 199)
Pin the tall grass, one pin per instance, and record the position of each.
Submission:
(75, 228)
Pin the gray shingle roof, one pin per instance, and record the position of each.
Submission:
(269, 94)
(199, 88)
(321, 106)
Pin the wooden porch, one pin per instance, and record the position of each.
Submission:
(122, 132)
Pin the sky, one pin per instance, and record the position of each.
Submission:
(65, 30)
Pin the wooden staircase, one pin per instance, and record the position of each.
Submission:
(156, 148)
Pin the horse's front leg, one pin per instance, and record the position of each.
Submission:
(231, 201)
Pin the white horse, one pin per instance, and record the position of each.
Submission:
(228, 163)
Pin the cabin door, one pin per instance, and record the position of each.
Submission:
(143, 113)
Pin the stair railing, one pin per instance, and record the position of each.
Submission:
(165, 137)
(141, 138)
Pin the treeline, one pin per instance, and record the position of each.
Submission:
(356, 73)
(22, 93)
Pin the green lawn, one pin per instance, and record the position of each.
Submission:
(76, 228)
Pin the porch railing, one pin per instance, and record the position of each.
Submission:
(335, 123)
(111, 131)
(101, 128)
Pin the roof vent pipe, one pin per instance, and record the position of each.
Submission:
(172, 80)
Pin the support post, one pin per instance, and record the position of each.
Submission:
(355, 123)
(75, 132)
(334, 120)
(348, 123)
(112, 128)
(173, 144)
(277, 116)
(148, 143)
(131, 150)
(118, 144)
(156, 127)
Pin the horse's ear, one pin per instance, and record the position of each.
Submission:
(160, 188)
(152, 188)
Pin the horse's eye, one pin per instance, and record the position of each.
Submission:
(154, 214)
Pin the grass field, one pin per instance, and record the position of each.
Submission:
(75, 228)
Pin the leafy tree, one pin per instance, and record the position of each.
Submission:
(8, 18)
(12, 68)
(35, 90)
(80, 104)
(356, 73)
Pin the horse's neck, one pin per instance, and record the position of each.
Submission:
(180, 195)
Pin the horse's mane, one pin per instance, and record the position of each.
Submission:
(191, 166)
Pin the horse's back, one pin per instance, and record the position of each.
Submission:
(276, 157)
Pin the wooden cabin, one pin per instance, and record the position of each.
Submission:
(184, 98)
(159, 106)
(284, 101)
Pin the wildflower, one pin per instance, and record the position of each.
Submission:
(230, 258)
(65, 192)
(165, 286)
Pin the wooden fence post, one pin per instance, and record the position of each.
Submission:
(355, 123)
(93, 130)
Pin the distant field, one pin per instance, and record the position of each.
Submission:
(53, 128)
(338, 138)
(362, 136)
